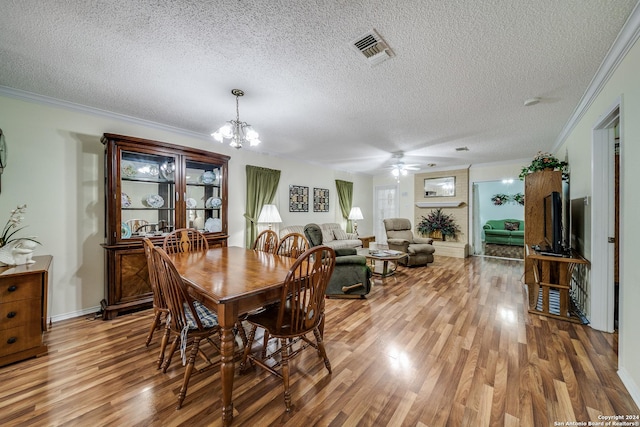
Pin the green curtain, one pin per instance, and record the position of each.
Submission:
(262, 184)
(345, 197)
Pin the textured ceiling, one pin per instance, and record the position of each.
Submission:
(460, 73)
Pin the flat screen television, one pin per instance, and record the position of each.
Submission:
(553, 223)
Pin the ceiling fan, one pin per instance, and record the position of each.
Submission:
(400, 168)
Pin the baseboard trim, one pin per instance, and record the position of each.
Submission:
(73, 314)
(630, 384)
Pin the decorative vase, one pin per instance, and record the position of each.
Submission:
(17, 253)
(6, 257)
(198, 223)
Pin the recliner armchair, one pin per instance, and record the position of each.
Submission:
(351, 276)
(400, 238)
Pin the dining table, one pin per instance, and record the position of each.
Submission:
(232, 281)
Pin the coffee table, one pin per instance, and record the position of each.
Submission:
(386, 256)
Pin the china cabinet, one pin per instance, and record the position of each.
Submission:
(152, 188)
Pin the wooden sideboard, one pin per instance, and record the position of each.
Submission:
(23, 309)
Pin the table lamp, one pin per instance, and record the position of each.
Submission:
(354, 216)
(269, 214)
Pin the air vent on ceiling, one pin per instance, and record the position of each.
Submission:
(374, 49)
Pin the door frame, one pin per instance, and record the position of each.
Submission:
(602, 207)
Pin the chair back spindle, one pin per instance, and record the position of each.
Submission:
(185, 240)
(292, 245)
(267, 241)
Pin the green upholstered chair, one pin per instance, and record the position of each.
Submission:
(351, 277)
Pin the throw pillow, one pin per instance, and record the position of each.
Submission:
(512, 225)
(340, 234)
(327, 236)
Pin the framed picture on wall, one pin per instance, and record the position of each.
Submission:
(440, 187)
(320, 200)
(298, 198)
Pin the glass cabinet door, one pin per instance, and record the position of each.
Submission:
(147, 185)
(203, 197)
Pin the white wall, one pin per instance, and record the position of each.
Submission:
(488, 210)
(624, 83)
(55, 166)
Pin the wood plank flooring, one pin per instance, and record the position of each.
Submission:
(447, 345)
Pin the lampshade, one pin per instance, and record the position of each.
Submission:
(355, 214)
(270, 214)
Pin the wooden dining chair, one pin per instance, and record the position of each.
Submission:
(292, 245)
(185, 240)
(190, 321)
(192, 240)
(300, 312)
(267, 241)
(159, 304)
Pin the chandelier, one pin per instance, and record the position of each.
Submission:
(236, 131)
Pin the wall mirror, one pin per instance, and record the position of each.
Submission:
(440, 187)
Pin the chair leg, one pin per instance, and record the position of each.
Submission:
(247, 348)
(163, 345)
(265, 344)
(284, 364)
(187, 371)
(241, 332)
(321, 349)
(154, 326)
(167, 360)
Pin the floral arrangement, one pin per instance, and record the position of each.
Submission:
(500, 199)
(438, 221)
(11, 227)
(544, 161)
(519, 198)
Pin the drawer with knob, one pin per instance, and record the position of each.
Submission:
(20, 338)
(20, 287)
(18, 313)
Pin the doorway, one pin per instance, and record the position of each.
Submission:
(386, 205)
(497, 201)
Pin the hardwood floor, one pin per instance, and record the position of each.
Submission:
(447, 345)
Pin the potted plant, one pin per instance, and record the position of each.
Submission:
(519, 198)
(438, 224)
(16, 250)
(500, 199)
(543, 161)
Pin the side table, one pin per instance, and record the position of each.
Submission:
(384, 256)
(366, 240)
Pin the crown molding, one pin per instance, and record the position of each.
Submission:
(627, 37)
(71, 106)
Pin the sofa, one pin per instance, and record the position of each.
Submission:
(351, 277)
(332, 235)
(495, 231)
